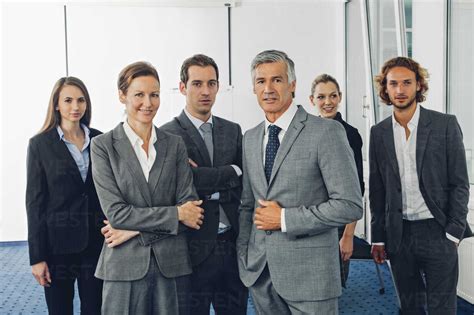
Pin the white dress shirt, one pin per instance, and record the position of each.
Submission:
(146, 162)
(414, 207)
(283, 122)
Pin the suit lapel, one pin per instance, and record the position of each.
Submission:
(389, 144)
(124, 149)
(218, 138)
(254, 150)
(161, 146)
(195, 136)
(422, 136)
(291, 135)
(69, 162)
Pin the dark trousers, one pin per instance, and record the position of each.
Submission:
(216, 280)
(65, 270)
(344, 265)
(426, 269)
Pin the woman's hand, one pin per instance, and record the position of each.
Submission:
(346, 247)
(41, 273)
(115, 237)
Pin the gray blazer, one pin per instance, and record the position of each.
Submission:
(314, 178)
(442, 174)
(130, 203)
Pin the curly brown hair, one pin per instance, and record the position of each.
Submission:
(420, 73)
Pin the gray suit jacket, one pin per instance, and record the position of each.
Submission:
(130, 203)
(442, 175)
(315, 178)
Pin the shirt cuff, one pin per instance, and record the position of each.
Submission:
(283, 223)
(215, 196)
(379, 243)
(452, 238)
(237, 170)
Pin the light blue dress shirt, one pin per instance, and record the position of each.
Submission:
(80, 156)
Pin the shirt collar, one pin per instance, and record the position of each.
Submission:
(413, 123)
(284, 120)
(87, 138)
(196, 121)
(133, 137)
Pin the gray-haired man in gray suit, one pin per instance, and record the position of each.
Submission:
(299, 184)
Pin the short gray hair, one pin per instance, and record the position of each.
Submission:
(269, 56)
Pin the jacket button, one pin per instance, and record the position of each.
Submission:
(268, 232)
(400, 210)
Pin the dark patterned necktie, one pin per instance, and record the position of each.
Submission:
(271, 150)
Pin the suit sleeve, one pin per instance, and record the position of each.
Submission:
(246, 212)
(36, 199)
(458, 181)
(209, 180)
(185, 191)
(356, 145)
(338, 171)
(125, 216)
(376, 193)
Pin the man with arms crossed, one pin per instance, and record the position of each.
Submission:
(419, 191)
(299, 184)
(214, 147)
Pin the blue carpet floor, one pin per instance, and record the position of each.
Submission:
(20, 294)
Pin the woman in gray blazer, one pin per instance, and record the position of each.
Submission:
(145, 187)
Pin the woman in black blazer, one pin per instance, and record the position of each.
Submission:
(64, 214)
(326, 96)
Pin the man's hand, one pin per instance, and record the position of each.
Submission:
(378, 253)
(192, 163)
(41, 273)
(346, 247)
(115, 237)
(268, 216)
(190, 214)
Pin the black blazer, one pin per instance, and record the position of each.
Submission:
(442, 175)
(355, 141)
(64, 214)
(208, 179)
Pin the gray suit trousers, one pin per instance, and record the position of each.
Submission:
(267, 301)
(152, 295)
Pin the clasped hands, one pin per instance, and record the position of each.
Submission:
(268, 215)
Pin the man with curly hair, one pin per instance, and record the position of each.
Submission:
(419, 191)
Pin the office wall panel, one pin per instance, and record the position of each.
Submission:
(32, 61)
(312, 34)
(104, 39)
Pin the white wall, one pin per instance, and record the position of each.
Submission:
(429, 38)
(103, 39)
(32, 60)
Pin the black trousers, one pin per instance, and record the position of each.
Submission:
(426, 269)
(65, 270)
(216, 280)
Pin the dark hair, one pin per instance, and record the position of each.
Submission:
(53, 117)
(324, 78)
(197, 60)
(420, 73)
(135, 70)
(270, 56)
